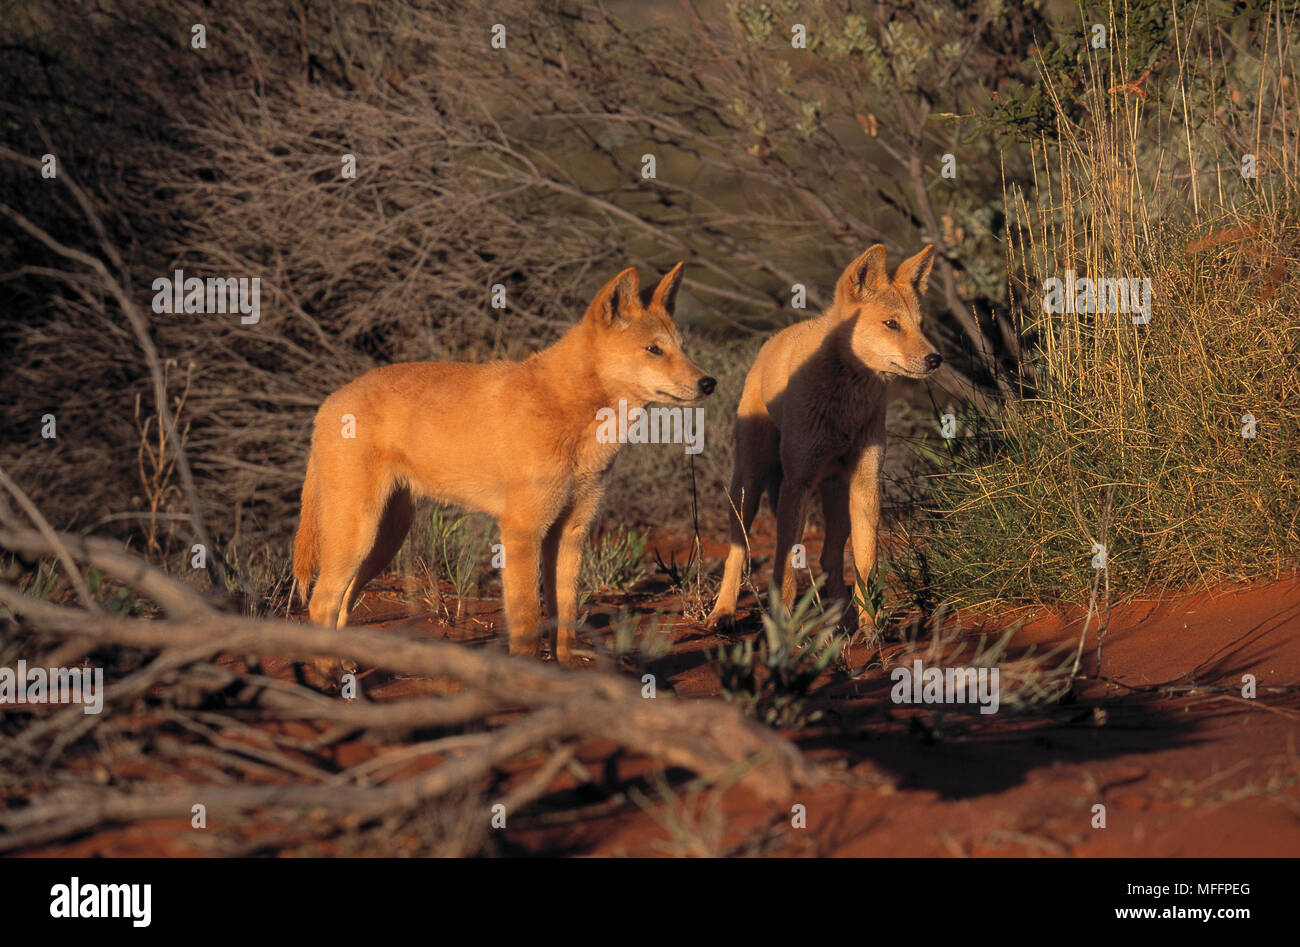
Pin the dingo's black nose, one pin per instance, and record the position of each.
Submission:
(707, 385)
(933, 361)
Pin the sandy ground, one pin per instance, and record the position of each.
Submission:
(1163, 739)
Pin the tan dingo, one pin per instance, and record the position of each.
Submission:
(812, 416)
(517, 440)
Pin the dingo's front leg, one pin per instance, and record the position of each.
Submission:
(573, 533)
(522, 544)
(864, 512)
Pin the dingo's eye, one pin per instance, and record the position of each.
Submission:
(891, 324)
(654, 350)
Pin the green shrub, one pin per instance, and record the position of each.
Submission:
(771, 681)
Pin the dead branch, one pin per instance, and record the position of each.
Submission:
(557, 710)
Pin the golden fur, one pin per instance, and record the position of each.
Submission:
(812, 417)
(516, 440)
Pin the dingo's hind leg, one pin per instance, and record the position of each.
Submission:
(393, 527)
(791, 513)
(347, 534)
(346, 540)
(835, 510)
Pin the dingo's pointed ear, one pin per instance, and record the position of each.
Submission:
(665, 293)
(617, 299)
(865, 273)
(915, 271)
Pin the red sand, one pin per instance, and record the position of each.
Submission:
(1183, 764)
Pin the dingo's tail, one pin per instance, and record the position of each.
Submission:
(304, 545)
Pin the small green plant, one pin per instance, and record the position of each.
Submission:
(616, 562)
(654, 642)
(691, 582)
(694, 820)
(117, 601)
(45, 581)
(1025, 679)
(458, 547)
(869, 596)
(681, 576)
(444, 545)
(771, 681)
(48, 583)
